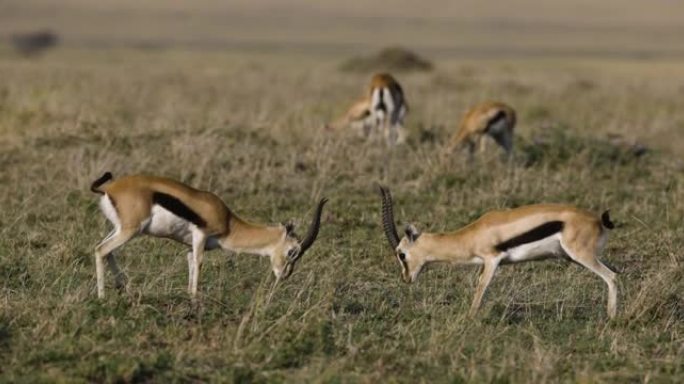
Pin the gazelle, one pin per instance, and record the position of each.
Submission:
(490, 118)
(383, 108)
(162, 207)
(532, 232)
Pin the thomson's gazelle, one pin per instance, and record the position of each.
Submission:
(163, 207)
(490, 118)
(383, 108)
(532, 232)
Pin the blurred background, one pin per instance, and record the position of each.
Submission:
(632, 28)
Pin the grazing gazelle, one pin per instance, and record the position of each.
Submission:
(531, 232)
(162, 207)
(490, 118)
(383, 108)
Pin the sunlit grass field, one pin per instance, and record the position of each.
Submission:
(248, 126)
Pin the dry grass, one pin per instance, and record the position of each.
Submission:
(248, 128)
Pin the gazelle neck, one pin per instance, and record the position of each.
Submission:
(252, 238)
(445, 247)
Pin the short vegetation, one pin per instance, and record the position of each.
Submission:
(249, 128)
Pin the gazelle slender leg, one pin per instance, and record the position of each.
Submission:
(106, 247)
(471, 146)
(588, 258)
(482, 145)
(199, 240)
(485, 278)
(390, 132)
(190, 271)
(119, 276)
(398, 135)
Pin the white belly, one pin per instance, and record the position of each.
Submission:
(541, 249)
(163, 223)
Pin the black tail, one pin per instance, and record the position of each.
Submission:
(98, 183)
(605, 220)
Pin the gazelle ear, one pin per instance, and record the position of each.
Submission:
(412, 233)
(289, 227)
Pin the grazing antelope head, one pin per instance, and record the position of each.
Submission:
(382, 108)
(285, 258)
(161, 207)
(491, 118)
(408, 251)
(533, 232)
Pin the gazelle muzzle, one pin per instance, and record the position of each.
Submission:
(307, 242)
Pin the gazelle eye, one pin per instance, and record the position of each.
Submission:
(402, 256)
(291, 253)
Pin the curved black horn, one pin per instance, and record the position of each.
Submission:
(313, 228)
(388, 218)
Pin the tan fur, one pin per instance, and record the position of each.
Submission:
(581, 238)
(475, 126)
(383, 80)
(356, 114)
(361, 111)
(479, 238)
(133, 202)
(133, 198)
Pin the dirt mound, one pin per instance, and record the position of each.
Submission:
(391, 59)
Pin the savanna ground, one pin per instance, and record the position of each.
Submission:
(247, 126)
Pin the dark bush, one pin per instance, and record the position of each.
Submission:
(32, 43)
(391, 59)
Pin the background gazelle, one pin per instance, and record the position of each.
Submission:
(163, 207)
(527, 233)
(382, 108)
(490, 118)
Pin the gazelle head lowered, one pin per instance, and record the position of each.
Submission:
(290, 250)
(162, 207)
(409, 250)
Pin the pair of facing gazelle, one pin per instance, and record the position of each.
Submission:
(163, 207)
(383, 107)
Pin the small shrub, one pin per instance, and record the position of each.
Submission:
(392, 59)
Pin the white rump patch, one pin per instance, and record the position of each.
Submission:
(375, 99)
(109, 211)
(390, 103)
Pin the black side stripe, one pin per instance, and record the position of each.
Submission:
(535, 234)
(178, 208)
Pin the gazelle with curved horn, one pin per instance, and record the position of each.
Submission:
(162, 207)
(491, 118)
(532, 232)
(383, 107)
